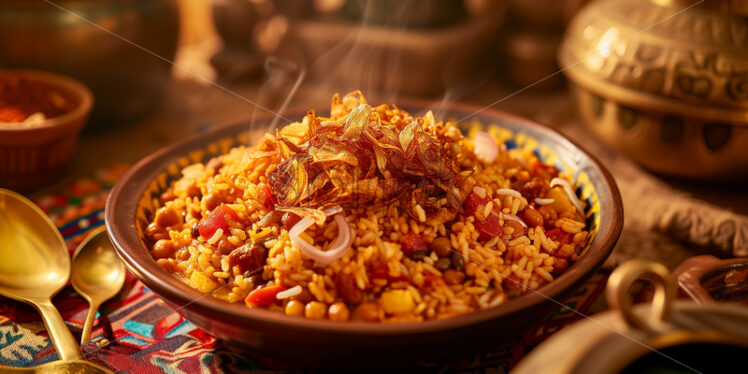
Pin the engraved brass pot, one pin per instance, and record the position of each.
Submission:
(664, 81)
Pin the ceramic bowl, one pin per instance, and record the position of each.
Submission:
(33, 155)
(707, 279)
(327, 344)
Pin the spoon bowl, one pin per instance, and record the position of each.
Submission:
(35, 265)
(98, 274)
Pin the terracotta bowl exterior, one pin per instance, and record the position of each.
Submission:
(350, 345)
(36, 155)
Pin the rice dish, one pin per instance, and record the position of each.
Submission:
(369, 214)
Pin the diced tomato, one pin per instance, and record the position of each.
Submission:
(412, 243)
(289, 220)
(383, 272)
(268, 198)
(263, 297)
(216, 220)
(562, 237)
(473, 201)
(488, 228)
(436, 282)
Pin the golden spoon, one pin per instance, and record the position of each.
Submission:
(98, 274)
(55, 367)
(34, 265)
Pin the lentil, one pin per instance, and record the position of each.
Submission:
(443, 264)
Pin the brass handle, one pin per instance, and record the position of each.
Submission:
(62, 339)
(88, 325)
(620, 282)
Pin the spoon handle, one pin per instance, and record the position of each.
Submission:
(62, 339)
(88, 325)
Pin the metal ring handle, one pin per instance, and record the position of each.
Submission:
(623, 278)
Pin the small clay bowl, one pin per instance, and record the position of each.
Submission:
(35, 154)
(708, 279)
(355, 345)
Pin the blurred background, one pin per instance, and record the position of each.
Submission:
(657, 89)
(229, 55)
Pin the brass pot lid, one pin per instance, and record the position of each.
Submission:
(663, 55)
(613, 341)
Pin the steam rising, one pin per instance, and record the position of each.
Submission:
(376, 55)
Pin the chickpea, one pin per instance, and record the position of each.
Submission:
(155, 233)
(339, 312)
(295, 308)
(367, 311)
(166, 217)
(315, 309)
(211, 201)
(442, 246)
(163, 248)
(452, 277)
(167, 264)
(533, 218)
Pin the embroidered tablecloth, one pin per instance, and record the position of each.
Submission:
(137, 333)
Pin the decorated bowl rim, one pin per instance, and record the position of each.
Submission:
(123, 201)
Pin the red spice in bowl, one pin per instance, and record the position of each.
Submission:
(35, 152)
(21, 98)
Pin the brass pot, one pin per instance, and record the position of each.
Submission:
(664, 81)
(664, 337)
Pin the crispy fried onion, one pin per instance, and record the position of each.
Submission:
(371, 156)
